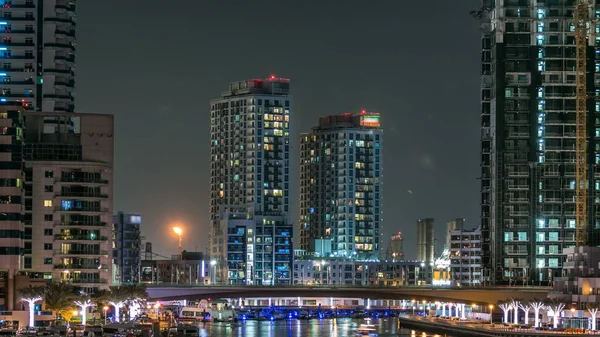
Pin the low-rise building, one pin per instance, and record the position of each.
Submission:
(188, 268)
(361, 273)
(579, 285)
(465, 257)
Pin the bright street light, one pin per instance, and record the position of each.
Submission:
(105, 310)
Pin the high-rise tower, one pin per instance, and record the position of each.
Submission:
(250, 147)
(341, 171)
(425, 240)
(528, 137)
(38, 54)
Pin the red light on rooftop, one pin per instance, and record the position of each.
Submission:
(272, 77)
(363, 112)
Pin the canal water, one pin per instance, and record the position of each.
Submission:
(303, 328)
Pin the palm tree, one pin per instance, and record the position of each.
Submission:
(515, 303)
(99, 300)
(555, 307)
(593, 309)
(117, 297)
(526, 308)
(31, 294)
(506, 309)
(537, 305)
(136, 298)
(59, 297)
(84, 304)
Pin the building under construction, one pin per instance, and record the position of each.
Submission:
(540, 190)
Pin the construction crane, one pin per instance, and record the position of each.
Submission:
(581, 31)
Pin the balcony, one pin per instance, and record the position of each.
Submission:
(17, 44)
(80, 266)
(59, 20)
(82, 209)
(81, 224)
(83, 195)
(82, 180)
(79, 252)
(59, 96)
(60, 237)
(69, 59)
(59, 71)
(91, 281)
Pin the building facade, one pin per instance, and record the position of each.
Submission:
(68, 199)
(465, 257)
(451, 226)
(425, 240)
(259, 247)
(38, 54)
(396, 249)
(12, 193)
(341, 171)
(177, 271)
(250, 168)
(528, 109)
(127, 245)
(361, 273)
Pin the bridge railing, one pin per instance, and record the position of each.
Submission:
(341, 286)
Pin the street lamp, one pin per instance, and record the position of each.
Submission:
(179, 233)
(491, 311)
(424, 314)
(156, 306)
(105, 310)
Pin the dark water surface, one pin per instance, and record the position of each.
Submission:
(304, 328)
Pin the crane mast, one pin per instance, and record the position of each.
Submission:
(581, 29)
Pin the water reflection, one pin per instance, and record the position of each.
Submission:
(341, 327)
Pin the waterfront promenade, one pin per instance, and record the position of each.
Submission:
(474, 328)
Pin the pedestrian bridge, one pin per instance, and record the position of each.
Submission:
(488, 295)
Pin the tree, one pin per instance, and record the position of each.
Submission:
(506, 309)
(593, 310)
(117, 297)
(84, 304)
(537, 305)
(526, 308)
(31, 294)
(515, 303)
(136, 298)
(554, 307)
(59, 297)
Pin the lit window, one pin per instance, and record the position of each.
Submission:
(47, 203)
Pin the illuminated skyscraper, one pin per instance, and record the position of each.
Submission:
(341, 170)
(249, 187)
(38, 54)
(528, 127)
(425, 240)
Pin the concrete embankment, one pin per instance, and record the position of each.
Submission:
(458, 329)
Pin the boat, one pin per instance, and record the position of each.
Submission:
(217, 311)
(367, 329)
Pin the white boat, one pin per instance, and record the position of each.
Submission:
(218, 311)
(367, 330)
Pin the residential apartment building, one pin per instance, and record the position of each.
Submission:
(425, 240)
(127, 243)
(361, 273)
(259, 247)
(38, 54)
(528, 109)
(250, 168)
(68, 199)
(465, 257)
(341, 171)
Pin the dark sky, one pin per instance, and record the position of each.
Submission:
(156, 64)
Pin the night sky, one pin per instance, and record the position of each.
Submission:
(156, 64)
